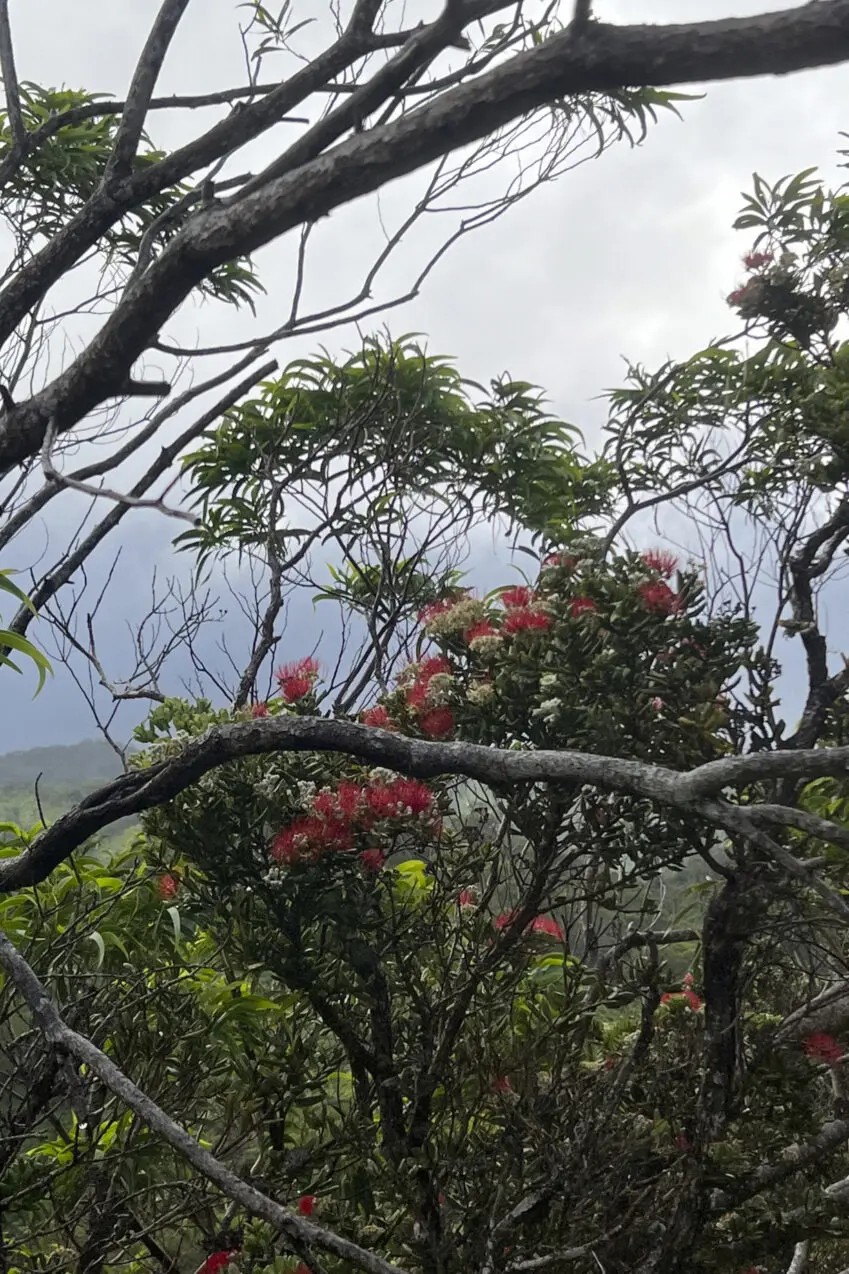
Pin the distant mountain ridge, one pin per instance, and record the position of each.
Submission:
(78, 765)
(41, 784)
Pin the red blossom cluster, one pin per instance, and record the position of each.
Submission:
(540, 924)
(435, 608)
(167, 886)
(823, 1048)
(750, 291)
(217, 1261)
(306, 1204)
(337, 817)
(379, 717)
(466, 898)
(520, 596)
(523, 613)
(483, 628)
(658, 597)
(662, 561)
(259, 710)
(435, 720)
(296, 680)
(525, 619)
(675, 997)
(581, 606)
(686, 994)
(756, 260)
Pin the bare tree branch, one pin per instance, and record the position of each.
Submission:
(145, 788)
(141, 90)
(53, 475)
(50, 585)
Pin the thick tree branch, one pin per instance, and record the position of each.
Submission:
(604, 59)
(141, 790)
(304, 1234)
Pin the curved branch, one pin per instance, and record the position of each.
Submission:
(144, 789)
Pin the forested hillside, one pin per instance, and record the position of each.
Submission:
(55, 779)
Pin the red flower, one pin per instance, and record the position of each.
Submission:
(306, 1203)
(687, 979)
(259, 710)
(559, 559)
(754, 260)
(372, 859)
(415, 796)
(167, 887)
(673, 997)
(549, 926)
(350, 799)
(823, 1048)
(662, 561)
(515, 597)
(659, 597)
(296, 679)
(524, 619)
(308, 838)
(295, 688)
(438, 723)
(376, 716)
(324, 804)
(501, 1084)
(400, 798)
(466, 898)
(433, 665)
(216, 1262)
(581, 606)
(540, 924)
(483, 628)
(416, 695)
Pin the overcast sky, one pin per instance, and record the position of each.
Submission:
(628, 256)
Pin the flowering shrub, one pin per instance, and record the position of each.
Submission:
(390, 921)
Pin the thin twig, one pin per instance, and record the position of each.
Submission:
(135, 502)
